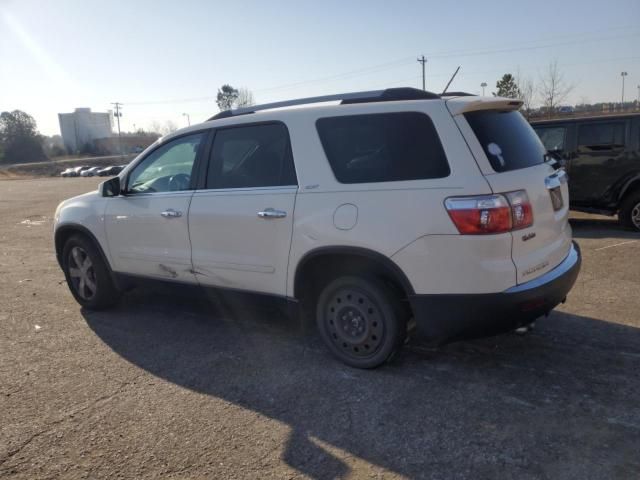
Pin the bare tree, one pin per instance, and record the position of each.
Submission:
(527, 89)
(168, 127)
(155, 127)
(245, 98)
(553, 88)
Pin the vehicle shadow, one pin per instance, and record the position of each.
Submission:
(560, 402)
(600, 228)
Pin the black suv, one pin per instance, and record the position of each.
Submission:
(602, 156)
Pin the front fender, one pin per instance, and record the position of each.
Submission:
(83, 214)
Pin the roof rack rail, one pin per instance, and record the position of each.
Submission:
(458, 94)
(387, 95)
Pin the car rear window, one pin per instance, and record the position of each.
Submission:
(507, 139)
(383, 147)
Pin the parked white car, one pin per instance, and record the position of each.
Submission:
(389, 206)
(90, 172)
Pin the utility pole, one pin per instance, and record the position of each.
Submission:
(623, 74)
(423, 61)
(188, 118)
(118, 114)
(483, 84)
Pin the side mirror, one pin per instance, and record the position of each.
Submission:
(110, 188)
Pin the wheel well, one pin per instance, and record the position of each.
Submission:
(64, 233)
(630, 189)
(318, 268)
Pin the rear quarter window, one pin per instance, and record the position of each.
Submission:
(553, 138)
(507, 139)
(383, 147)
(594, 135)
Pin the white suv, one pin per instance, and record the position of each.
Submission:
(390, 206)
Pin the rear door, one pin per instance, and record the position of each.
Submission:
(601, 160)
(512, 157)
(241, 220)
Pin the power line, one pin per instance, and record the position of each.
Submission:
(536, 47)
(353, 73)
(393, 64)
(525, 43)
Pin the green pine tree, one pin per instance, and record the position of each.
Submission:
(507, 87)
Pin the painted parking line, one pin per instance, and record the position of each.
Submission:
(616, 245)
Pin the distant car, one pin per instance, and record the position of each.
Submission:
(74, 171)
(600, 153)
(110, 171)
(565, 109)
(90, 172)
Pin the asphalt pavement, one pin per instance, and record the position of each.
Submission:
(176, 384)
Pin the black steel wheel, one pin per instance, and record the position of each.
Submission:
(360, 320)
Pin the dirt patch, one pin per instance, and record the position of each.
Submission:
(7, 175)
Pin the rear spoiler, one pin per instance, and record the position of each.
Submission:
(460, 105)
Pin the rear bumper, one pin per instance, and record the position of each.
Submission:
(444, 318)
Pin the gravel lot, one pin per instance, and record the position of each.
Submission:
(174, 385)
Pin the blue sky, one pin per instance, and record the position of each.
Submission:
(164, 58)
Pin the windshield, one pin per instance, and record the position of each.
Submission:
(507, 139)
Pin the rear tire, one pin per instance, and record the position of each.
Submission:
(88, 275)
(629, 214)
(360, 320)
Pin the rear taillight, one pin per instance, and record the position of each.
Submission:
(521, 211)
(485, 214)
(481, 214)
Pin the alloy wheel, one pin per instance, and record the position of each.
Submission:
(82, 273)
(635, 215)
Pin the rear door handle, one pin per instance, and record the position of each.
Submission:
(272, 213)
(171, 213)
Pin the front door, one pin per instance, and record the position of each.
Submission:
(147, 227)
(241, 221)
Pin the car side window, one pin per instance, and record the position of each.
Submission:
(552, 138)
(168, 168)
(250, 157)
(382, 147)
(598, 136)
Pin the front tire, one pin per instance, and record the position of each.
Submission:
(87, 274)
(629, 214)
(360, 320)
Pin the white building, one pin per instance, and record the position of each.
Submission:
(83, 126)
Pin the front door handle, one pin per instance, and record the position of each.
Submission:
(171, 213)
(272, 213)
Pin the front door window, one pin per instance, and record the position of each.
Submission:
(168, 168)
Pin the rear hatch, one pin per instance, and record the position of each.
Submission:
(512, 158)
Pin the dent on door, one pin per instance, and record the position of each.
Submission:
(148, 236)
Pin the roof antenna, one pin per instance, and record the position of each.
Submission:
(451, 80)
